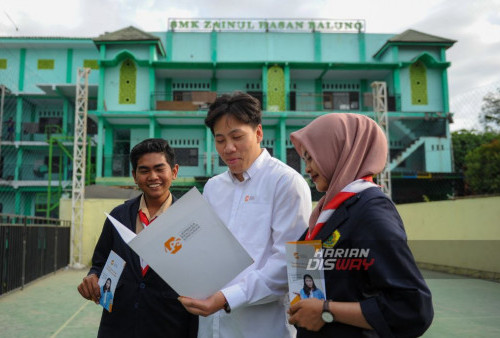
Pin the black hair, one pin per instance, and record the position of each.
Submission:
(307, 289)
(152, 145)
(107, 288)
(242, 106)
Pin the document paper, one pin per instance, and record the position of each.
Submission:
(189, 247)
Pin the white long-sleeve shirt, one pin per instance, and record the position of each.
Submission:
(270, 207)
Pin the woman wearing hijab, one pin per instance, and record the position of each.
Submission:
(373, 286)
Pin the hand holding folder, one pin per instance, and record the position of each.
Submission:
(189, 247)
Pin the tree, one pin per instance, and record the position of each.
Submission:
(464, 141)
(490, 111)
(483, 168)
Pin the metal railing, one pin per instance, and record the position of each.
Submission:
(31, 247)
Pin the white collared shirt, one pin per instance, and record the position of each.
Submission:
(270, 207)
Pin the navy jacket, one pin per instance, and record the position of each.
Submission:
(143, 306)
(394, 297)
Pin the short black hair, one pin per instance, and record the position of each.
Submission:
(152, 145)
(242, 106)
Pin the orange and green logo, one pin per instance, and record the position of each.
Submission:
(332, 240)
(173, 245)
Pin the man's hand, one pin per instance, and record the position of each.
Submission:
(307, 314)
(204, 307)
(89, 289)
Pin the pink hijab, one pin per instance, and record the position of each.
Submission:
(345, 147)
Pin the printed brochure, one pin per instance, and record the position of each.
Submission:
(109, 278)
(305, 280)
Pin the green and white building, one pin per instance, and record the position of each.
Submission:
(159, 84)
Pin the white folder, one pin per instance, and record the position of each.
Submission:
(189, 247)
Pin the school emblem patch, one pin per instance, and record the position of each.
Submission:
(332, 240)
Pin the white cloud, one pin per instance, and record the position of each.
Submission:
(474, 24)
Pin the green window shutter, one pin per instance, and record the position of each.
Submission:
(128, 79)
(3, 63)
(45, 64)
(92, 64)
(418, 80)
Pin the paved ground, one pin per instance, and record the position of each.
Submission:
(52, 307)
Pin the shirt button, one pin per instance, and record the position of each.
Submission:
(142, 285)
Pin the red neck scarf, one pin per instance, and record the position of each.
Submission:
(349, 190)
(145, 222)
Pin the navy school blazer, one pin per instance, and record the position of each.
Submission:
(381, 274)
(143, 306)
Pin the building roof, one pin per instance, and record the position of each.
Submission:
(411, 36)
(129, 34)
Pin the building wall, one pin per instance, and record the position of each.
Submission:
(287, 69)
(10, 75)
(112, 89)
(408, 54)
(93, 221)
(139, 51)
(192, 47)
(460, 233)
(373, 43)
(44, 76)
(79, 56)
(434, 92)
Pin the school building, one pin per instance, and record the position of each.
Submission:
(160, 84)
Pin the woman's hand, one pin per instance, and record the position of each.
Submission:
(307, 314)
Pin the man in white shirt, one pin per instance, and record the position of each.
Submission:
(265, 204)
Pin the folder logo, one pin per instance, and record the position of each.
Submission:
(172, 245)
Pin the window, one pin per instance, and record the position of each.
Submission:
(186, 157)
(50, 125)
(341, 100)
(128, 78)
(293, 159)
(45, 64)
(257, 95)
(55, 164)
(418, 80)
(121, 152)
(182, 95)
(92, 64)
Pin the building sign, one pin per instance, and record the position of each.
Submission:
(267, 25)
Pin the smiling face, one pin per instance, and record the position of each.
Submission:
(237, 143)
(312, 169)
(154, 177)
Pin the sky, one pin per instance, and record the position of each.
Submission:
(475, 25)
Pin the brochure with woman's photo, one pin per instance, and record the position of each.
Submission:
(305, 270)
(109, 278)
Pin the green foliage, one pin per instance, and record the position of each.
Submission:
(490, 111)
(465, 141)
(483, 168)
